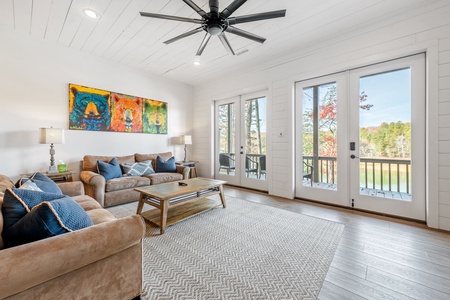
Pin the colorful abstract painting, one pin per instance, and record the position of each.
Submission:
(100, 110)
(126, 113)
(89, 108)
(155, 117)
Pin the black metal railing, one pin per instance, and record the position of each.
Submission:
(375, 173)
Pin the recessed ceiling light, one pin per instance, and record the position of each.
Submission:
(91, 13)
(197, 63)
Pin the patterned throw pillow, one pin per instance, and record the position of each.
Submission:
(137, 169)
(30, 185)
(47, 219)
(165, 166)
(110, 169)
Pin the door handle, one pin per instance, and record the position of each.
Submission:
(353, 156)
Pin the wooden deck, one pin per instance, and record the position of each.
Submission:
(364, 191)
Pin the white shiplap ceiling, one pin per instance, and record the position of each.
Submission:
(123, 36)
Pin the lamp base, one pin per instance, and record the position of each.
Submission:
(52, 170)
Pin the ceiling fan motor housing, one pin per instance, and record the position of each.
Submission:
(214, 24)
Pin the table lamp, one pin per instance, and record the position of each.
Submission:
(186, 140)
(51, 136)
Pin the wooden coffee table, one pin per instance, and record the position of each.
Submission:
(184, 201)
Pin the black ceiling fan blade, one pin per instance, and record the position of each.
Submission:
(257, 17)
(203, 44)
(214, 7)
(232, 7)
(226, 43)
(186, 34)
(245, 34)
(173, 18)
(195, 7)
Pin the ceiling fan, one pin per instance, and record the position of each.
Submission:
(216, 23)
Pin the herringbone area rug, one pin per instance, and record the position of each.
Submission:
(246, 251)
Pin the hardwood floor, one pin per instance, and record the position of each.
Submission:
(378, 257)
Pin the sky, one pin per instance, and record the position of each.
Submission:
(390, 95)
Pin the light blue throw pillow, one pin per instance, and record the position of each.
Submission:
(43, 182)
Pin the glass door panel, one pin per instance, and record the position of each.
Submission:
(255, 138)
(388, 129)
(227, 138)
(320, 107)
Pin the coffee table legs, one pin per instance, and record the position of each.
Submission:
(140, 204)
(164, 208)
(222, 196)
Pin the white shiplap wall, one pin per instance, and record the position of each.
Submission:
(422, 30)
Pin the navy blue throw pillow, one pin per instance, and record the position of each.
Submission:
(165, 166)
(109, 170)
(47, 219)
(18, 202)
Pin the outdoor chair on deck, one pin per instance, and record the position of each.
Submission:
(226, 162)
(308, 172)
(251, 166)
(262, 166)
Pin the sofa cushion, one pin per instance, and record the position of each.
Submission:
(137, 168)
(165, 166)
(110, 169)
(158, 178)
(43, 182)
(47, 219)
(126, 182)
(90, 161)
(142, 157)
(100, 215)
(18, 202)
(86, 202)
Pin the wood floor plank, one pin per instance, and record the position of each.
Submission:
(330, 291)
(409, 261)
(349, 266)
(413, 274)
(404, 286)
(362, 287)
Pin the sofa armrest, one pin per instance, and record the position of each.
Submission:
(183, 170)
(31, 264)
(74, 188)
(94, 185)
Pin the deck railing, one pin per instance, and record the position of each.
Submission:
(383, 174)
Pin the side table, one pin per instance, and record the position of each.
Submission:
(190, 164)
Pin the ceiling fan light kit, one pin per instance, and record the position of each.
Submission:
(216, 23)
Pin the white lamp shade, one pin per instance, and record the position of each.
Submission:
(51, 136)
(186, 140)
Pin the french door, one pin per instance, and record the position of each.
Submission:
(240, 140)
(387, 126)
(361, 138)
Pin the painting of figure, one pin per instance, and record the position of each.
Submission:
(126, 113)
(89, 108)
(154, 117)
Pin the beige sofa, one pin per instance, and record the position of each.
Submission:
(103, 261)
(121, 190)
